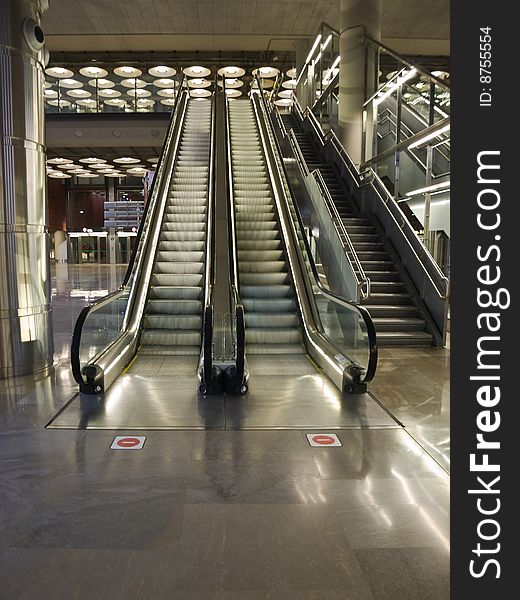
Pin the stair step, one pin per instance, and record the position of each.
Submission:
(172, 322)
(177, 279)
(391, 310)
(165, 350)
(157, 337)
(265, 335)
(387, 298)
(173, 306)
(387, 286)
(268, 305)
(178, 292)
(271, 320)
(264, 291)
(398, 324)
(260, 265)
(404, 338)
(379, 276)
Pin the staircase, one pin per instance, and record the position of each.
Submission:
(173, 316)
(393, 309)
(271, 318)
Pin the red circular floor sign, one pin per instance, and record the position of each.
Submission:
(323, 440)
(128, 442)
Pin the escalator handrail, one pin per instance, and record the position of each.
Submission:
(406, 61)
(208, 314)
(370, 177)
(237, 308)
(353, 306)
(362, 280)
(415, 157)
(135, 257)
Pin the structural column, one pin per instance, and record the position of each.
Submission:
(25, 313)
(358, 17)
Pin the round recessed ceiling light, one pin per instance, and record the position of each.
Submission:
(285, 94)
(92, 160)
(231, 83)
(265, 72)
(199, 82)
(198, 93)
(153, 160)
(59, 72)
(48, 93)
(145, 102)
(196, 71)
(133, 83)
(169, 93)
(139, 92)
(162, 71)
(79, 94)
(114, 174)
(59, 103)
(68, 166)
(289, 84)
(165, 83)
(77, 170)
(127, 71)
(168, 102)
(233, 93)
(441, 74)
(116, 102)
(70, 84)
(59, 175)
(59, 161)
(93, 72)
(231, 71)
(109, 93)
(47, 84)
(126, 160)
(87, 175)
(137, 171)
(283, 102)
(104, 170)
(88, 102)
(291, 73)
(101, 84)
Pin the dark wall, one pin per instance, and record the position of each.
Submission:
(57, 199)
(91, 203)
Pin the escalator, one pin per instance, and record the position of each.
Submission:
(265, 287)
(287, 311)
(173, 316)
(164, 312)
(163, 308)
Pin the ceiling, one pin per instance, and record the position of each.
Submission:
(223, 25)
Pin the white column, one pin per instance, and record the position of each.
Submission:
(26, 344)
(357, 17)
(60, 247)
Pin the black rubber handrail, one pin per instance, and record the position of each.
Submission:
(367, 319)
(237, 307)
(208, 316)
(80, 321)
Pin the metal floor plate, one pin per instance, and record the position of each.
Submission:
(285, 392)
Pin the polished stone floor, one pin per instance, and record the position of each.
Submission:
(223, 514)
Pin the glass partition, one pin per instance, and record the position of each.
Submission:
(102, 322)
